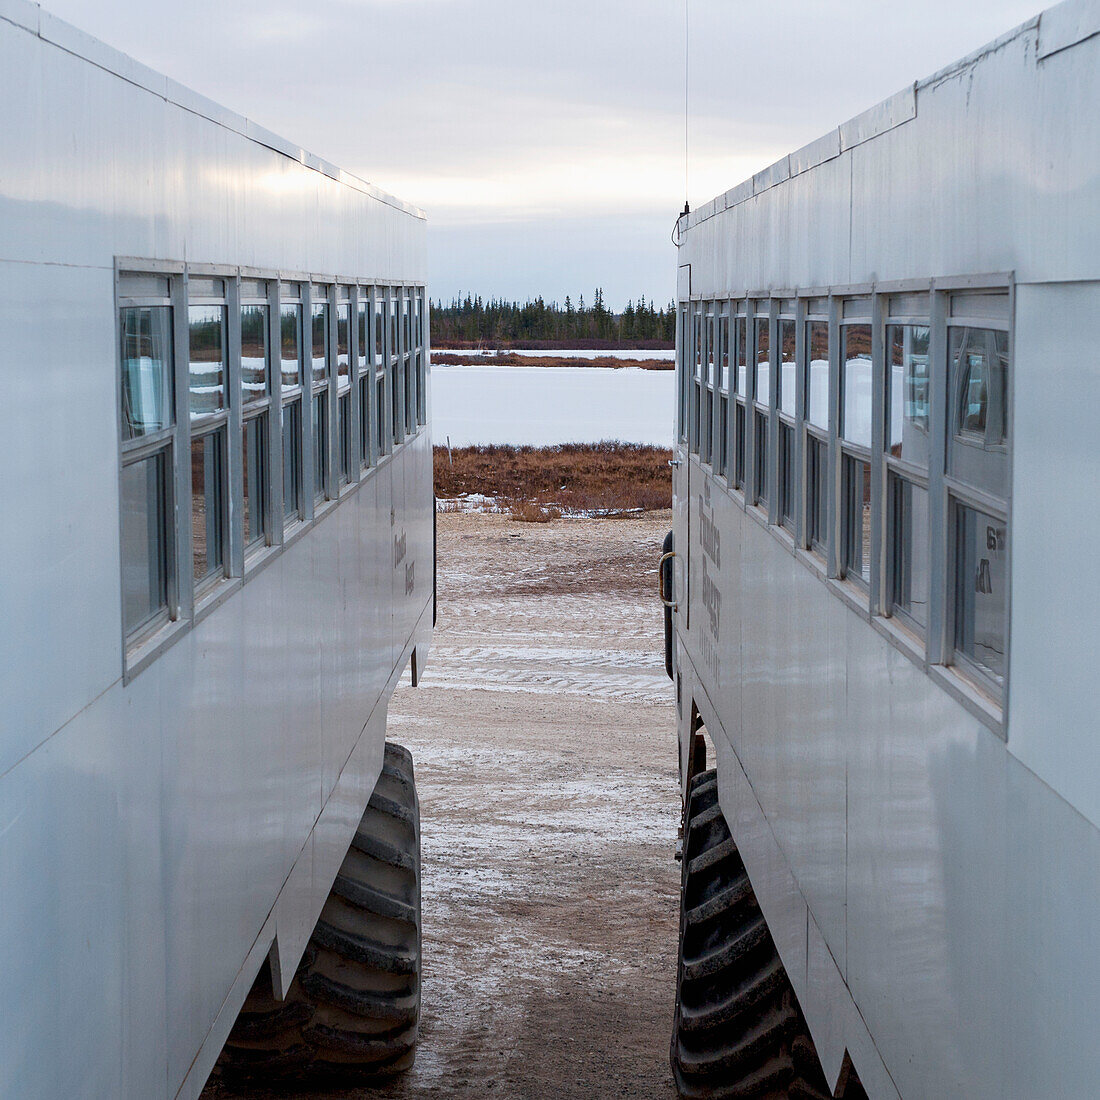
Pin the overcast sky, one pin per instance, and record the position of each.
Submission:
(546, 139)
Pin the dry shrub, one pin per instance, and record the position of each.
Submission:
(599, 477)
(511, 359)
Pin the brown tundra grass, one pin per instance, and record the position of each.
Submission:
(534, 483)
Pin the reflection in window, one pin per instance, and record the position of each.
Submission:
(787, 379)
(760, 459)
(364, 421)
(380, 415)
(292, 460)
(786, 475)
(253, 353)
(343, 342)
(741, 354)
(981, 573)
(320, 341)
(908, 549)
(290, 325)
(976, 451)
(208, 505)
(856, 494)
(145, 553)
(856, 384)
(739, 446)
(907, 346)
(206, 325)
(762, 393)
(723, 352)
(379, 332)
(320, 446)
(980, 365)
(254, 450)
(817, 374)
(345, 438)
(817, 504)
(146, 341)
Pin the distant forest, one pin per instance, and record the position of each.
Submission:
(473, 322)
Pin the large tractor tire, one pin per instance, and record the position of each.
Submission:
(738, 1031)
(353, 1010)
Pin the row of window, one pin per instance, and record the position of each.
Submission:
(874, 431)
(255, 402)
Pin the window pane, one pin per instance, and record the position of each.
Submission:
(421, 389)
(786, 475)
(362, 350)
(394, 324)
(908, 547)
(980, 360)
(292, 460)
(817, 375)
(857, 520)
(208, 504)
(981, 573)
(379, 332)
(144, 540)
(345, 436)
(723, 352)
(722, 448)
(255, 479)
(741, 354)
(763, 362)
(364, 421)
(253, 353)
(787, 382)
(291, 327)
(818, 498)
(979, 375)
(907, 346)
(760, 457)
(320, 445)
(380, 416)
(343, 341)
(207, 359)
(395, 402)
(739, 446)
(320, 341)
(856, 383)
(146, 341)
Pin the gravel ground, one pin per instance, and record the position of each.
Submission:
(544, 738)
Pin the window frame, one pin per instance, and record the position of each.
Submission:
(787, 496)
(291, 294)
(161, 443)
(225, 420)
(257, 409)
(144, 283)
(815, 308)
(957, 493)
(911, 310)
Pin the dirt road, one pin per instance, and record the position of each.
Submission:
(543, 734)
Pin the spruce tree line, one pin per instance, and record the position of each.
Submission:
(497, 323)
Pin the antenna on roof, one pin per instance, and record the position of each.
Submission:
(686, 59)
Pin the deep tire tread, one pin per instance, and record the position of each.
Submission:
(738, 1031)
(353, 1010)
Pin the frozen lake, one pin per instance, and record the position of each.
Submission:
(547, 405)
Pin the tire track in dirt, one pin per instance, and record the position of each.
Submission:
(544, 739)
